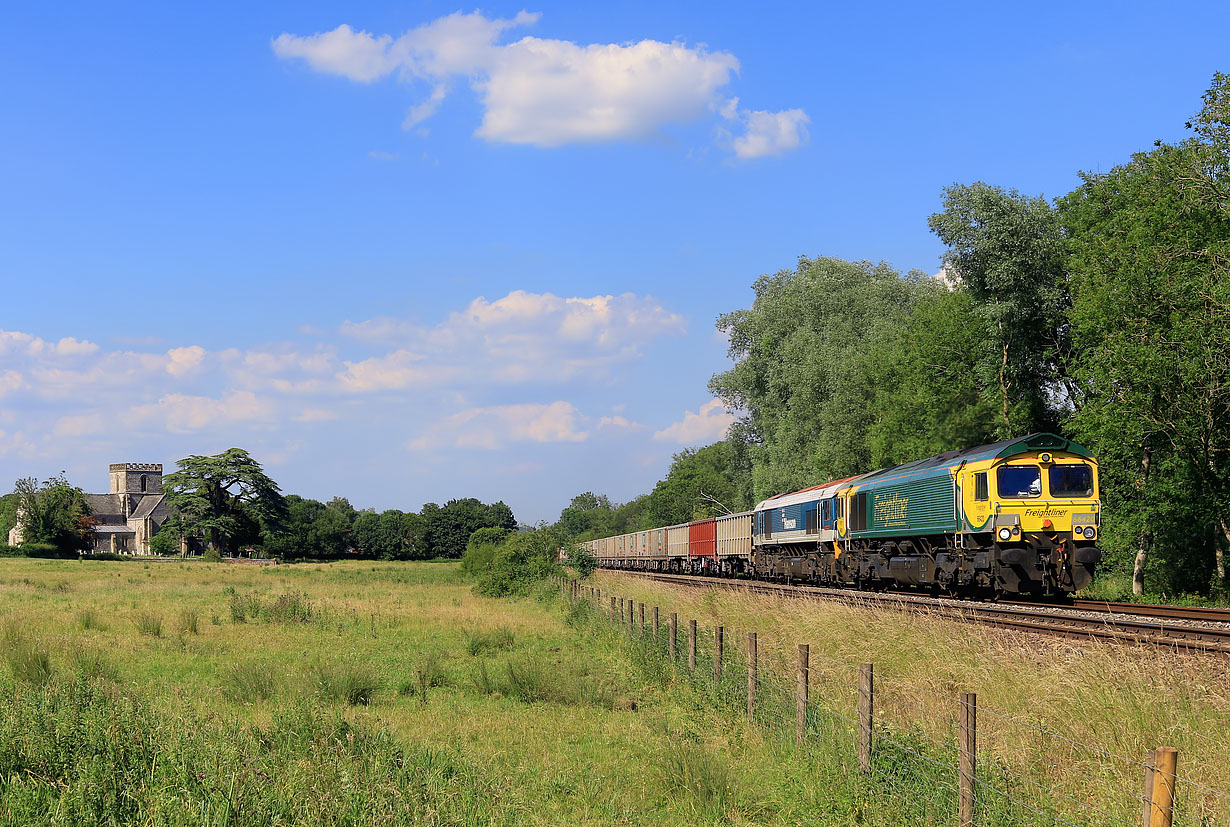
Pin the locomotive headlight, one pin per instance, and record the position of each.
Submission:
(1089, 532)
(1005, 534)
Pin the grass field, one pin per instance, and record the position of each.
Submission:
(192, 693)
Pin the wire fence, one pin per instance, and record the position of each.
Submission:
(934, 755)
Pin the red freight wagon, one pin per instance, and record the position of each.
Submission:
(702, 538)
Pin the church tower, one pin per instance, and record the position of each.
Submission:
(136, 478)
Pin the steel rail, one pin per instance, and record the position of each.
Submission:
(1051, 619)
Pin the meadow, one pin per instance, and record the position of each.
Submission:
(358, 693)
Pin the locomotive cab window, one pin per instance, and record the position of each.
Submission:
(1020, 482)
(981, 489)
(1071, 480)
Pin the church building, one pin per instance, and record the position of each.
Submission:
(128, 516)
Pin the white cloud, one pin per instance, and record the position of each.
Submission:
(707, 425)
(181, 414)
(11, 381)
(772, 133)
(184, 360)
(74, 425)
(356, 55)
(494, 427)
(522, 337)
(547, 92)
(69, 346)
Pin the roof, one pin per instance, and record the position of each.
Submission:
(994, 450)
(806, 495)
(146, 506)
(113, 529)
(104, 503)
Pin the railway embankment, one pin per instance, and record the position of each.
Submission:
(1023, 727)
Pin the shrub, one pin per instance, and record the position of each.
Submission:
(211, 555)
(47, 551)
(164, 544)
(149, 623)
(481, 549)
(521, 560)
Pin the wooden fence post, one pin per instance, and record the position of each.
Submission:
(969, 758)
(672, 627)
(692, 645)
(631, 616)
(612, 607)
(751, 673)
(655, 623)
(1161, 800)
(717, 656)
(1146, 818)
(866, 712)
(641, 608)
(800, 696)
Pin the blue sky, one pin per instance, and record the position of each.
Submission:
(450, 252)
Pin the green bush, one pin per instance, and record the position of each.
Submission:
(522, 560)
(481, 549)
(164, 544)
(211, 555)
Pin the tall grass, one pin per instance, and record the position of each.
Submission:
(249, 681)
(348, 682)
(28, 660)
(149, 623)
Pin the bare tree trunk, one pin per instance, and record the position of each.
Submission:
(1146, 536)
(1003, 382)
(1221, 553)
(1142, 554)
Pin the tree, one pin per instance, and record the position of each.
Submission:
(802, 373)
(1009, 251)
(8, 516)
(700, 483)
(1150, 253)
(54, 513)
(222, 496)
(447, 528)
(586, 516)
(932, 391)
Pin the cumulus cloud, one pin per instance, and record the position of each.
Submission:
(181, 414)
(546, 92)
(707, 425)
(494, 427)
(522, 337)
(771, 133)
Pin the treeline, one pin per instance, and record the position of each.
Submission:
(1103, 314)
(313, 529)
(226, 503)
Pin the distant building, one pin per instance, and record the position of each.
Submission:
(129, 515)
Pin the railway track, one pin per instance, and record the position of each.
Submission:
(1183, 627)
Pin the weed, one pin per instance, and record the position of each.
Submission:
(244, 606)
(149, 623)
